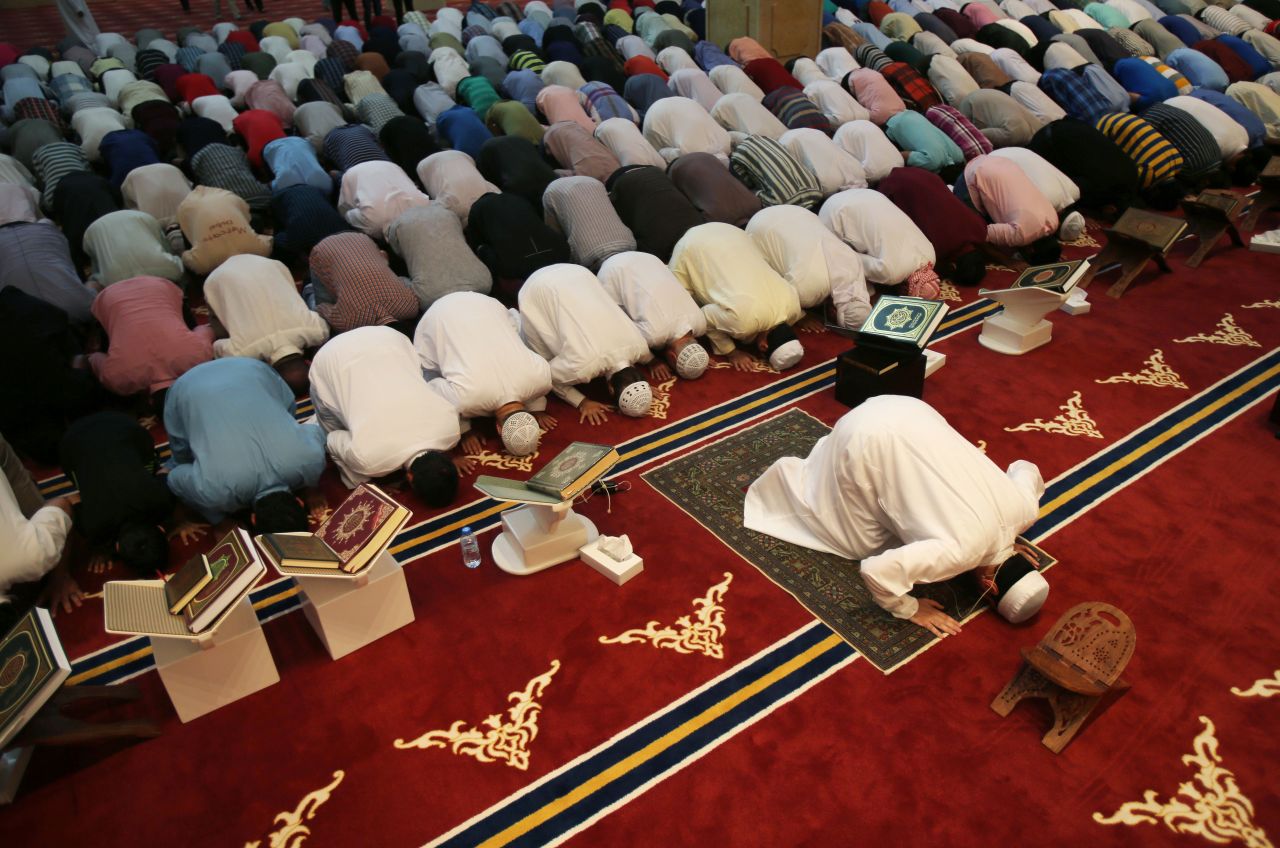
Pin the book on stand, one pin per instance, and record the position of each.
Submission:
(186, 582)
(32, 667)
(1158, 232)
(142, 606)
(901, 324)
(562, 479)
(349, 540)
(1060, 277)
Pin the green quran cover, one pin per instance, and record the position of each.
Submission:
(1060, 277)
(901, 322)
(32, 667)
(573, 469)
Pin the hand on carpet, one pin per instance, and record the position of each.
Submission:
(188, 531)
(61, 591)
(545, 420)
(99, 563)
(810, 323)
(659, 372)
(472, 445)
(741, 360)
(931, 617)
(464, 464)
(593, 412)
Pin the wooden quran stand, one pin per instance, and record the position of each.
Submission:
(1268, 197)
(51, 726)
(1208, 223)
(1132, 254)
(1076, 667)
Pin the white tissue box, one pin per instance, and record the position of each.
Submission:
(618, 572)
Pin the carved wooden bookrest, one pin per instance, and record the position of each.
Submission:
(1208, 223)
(1268, 197)
(1132, 254)
(1076, 667)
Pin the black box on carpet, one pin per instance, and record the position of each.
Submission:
(867, 371)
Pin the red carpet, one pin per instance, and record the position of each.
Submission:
(858, 757)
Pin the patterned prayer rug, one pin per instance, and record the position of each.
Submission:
(711, 484)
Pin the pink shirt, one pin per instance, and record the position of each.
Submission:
(150, 345)
(560, 103)
(747, 49)
(1000, 190)
(979, 14)
(873, 91)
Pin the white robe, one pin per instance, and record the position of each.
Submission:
(897, 488)
(652, 297)
(813, 260)
(836, 103)
(731, 79)
(32, 546)
(452, 178)
(624, 141)
(835, 167)
(376, 193)
(871, 147)
(569, 320)
(79, 22)
(256, 300)
(836, 62)
(471, 353)
(374, 406)
(889, 243)
(677, 125)
(742, 113)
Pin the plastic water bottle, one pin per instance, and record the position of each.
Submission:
(470, 548)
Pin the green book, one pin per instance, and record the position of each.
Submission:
(32, 667)
(901, 323)
(504, 489)
(1060, 277)
(573, 469)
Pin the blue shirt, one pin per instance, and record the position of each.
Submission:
(234, 438)
(1150, 85)
(293, 162)
(1202, 71)
(533, 29)
(124, 150)
(1183, 29)
(1075, 95)
(930, 147)
(1252, 124)
(524, 86)
(1255, 60)
(463, 130)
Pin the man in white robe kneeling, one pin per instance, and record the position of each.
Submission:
(665, 313)
(896, 487)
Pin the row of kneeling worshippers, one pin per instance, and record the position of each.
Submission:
(485, 207)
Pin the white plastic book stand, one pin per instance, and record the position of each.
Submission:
(538, 536)
(1021, 326)
(1077, 302)
(349, 614)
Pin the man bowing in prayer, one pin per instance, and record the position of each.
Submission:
(567, 318)
(471, 353)
(896, 487)
(380, 417)
(664, 312)
(742, 297)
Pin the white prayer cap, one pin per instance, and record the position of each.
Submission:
(1023, 599)
(692, 361)
(635, 399)
(787, 355)
(1072, 227)
(520, 434)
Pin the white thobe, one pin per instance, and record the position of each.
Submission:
(677, 125)
(1036, 102)
(374, 406)
(157, 189)
(32, 546)
(450, 69)
(376, 193)
(896, 487)
(290, 75)
(1059, 189)
(835, 167)
(624, 141)
(256, 300)
(79, 22)
(471, 353)
(813, 260)
(569, 320)
(806, 71)
(871, 147)
(742, 113)
(836, 103)
(888, 242)
(652, 297)
(694, 84)
(672, 59)
(216, 107)
(953, 82)
(452, 179)
(740, 294)
(836, 62)
(1015, 66)
(731, 79)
